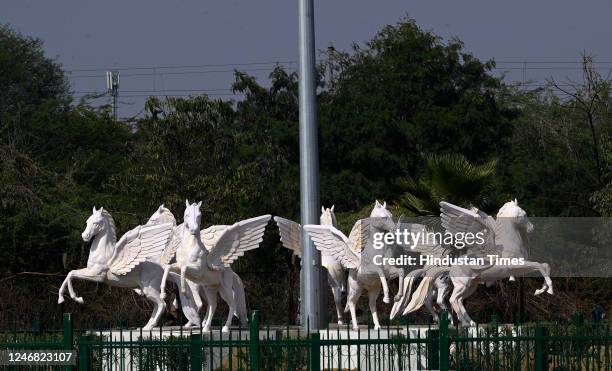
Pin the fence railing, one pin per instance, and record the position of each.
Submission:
(569, 346)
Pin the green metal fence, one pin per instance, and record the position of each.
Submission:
(569, 346)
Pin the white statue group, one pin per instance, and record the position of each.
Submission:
(198, 261)
(502, 237)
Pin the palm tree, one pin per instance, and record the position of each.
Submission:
(451, 178)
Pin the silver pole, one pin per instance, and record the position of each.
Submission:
(309, 168)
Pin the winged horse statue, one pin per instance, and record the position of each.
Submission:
(291, 238)
(353, 253)
(502, 236)
(164, 215)
(207, 265)
(129, 262)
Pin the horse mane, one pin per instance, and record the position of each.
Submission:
(111, 224)
(167, 215)
(503, 211)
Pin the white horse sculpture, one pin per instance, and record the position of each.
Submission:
(349, 253)
(291, 238)
(502, 238)
(164, 215)
(207, 267)
(127, 263)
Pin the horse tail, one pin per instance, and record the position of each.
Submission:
(239, 297)
(409, 280)
(425, 289)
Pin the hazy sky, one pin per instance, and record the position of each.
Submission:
(143, 33)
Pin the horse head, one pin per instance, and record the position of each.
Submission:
(162, 215)
(99, 221)
(380, 210)
(192, 217)
(518, 216)
(328, 217)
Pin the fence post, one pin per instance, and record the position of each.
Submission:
(67, 336)
(541, 358)
(443, 341)
(195, 357)
(254, 341)
(315, 352)
(433, 349)
(84, 356)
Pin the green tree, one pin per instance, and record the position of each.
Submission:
(406, 93)
(450, 178)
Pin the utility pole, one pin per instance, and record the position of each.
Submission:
(312, 302)
(112, 87)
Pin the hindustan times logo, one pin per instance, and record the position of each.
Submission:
(412, 239)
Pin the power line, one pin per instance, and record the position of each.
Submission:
(180, 66)
(174, 73)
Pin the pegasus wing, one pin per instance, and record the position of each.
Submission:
(236, 240)
(456, 219)
(333, 243)
(149, 242)
(358, 238)
(211, 235)
(172, 246)
(290, 235)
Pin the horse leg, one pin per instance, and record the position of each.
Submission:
(461, 288)
(195, 291)
(353, 296)
(183, 288)
(429, 305)
(335, 282)
(372, 296)
(400, 289)
(385, 287)
(211, 297)
(154, 296)
(162, 287)
(227, 295)
(337, 291)
(188, 303)
(544, 270)
(86, 274)
(442, 286)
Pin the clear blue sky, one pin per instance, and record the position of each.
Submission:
(105, 34)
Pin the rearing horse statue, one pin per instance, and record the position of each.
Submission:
(127, 263)
(206, 266)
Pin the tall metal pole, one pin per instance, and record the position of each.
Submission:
(311, 296)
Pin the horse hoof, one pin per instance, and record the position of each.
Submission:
(225, 329)
(206, 329)
(472, 323)
(341, 322)
(550, 291)
(397, 298)
(376, 327)
(539, 291)
(386, 300)
(79, 300)
(355, 328)
(60, 300)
